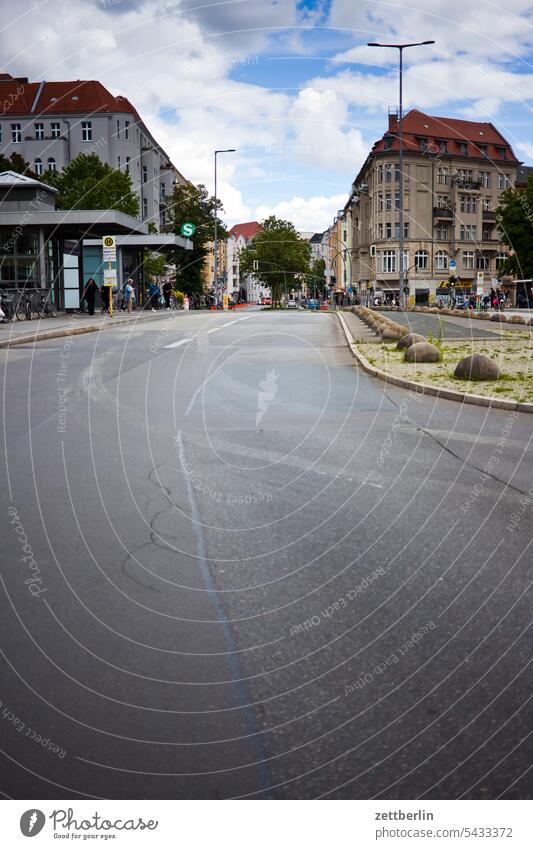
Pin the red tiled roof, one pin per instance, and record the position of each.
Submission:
(72, 96)
(417, 125)
(249, 229)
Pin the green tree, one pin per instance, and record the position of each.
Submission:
(189, 203)
(89, 183)
(278, 257)
(17, 163)
(514, 216)
(154, 265)
(317, 280)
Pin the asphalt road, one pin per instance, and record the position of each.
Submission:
(233, 565)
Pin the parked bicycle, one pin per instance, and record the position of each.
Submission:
(33, 303)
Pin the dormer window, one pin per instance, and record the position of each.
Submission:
(502, 152)
(388, 142)
(442, 143)
(423, 144)
(483, 150)
(463, 148)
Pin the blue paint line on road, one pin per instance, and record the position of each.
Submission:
(243, 696)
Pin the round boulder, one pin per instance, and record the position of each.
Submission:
(477, 367)
(422, 352)
(409, 339)
(499, 316)
(517, 319)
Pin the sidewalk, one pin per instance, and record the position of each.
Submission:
(19, 332)
(358, 329)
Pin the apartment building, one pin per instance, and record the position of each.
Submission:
(454, 174)
(50, 123)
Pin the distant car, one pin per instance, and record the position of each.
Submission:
(266, 301)
(312, 304)
(292, 305)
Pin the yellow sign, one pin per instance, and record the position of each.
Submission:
(224, 302)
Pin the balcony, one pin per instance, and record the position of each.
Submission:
(443, 212)
(489, 215)
(468, 185)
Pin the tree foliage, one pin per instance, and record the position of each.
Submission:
(515, 223)
(17, 163)
(193, 204)
(89, 183)
(317, 280)
(280, 255)
(154, 265)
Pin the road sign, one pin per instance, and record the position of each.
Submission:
(188, 229)
(110, 277)
(109, 249)
(453, 265)
(224, 302)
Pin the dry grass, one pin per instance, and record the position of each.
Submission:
(513, 352)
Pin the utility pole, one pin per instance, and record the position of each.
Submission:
(215, 276)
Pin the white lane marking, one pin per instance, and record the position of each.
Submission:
(177, 344)
(227, 324)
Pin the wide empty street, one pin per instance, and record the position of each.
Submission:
(235, 565)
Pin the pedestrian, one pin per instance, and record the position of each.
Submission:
(154, 293)
(128, 293)
(105, 292)
(89, 294)
(167, 291)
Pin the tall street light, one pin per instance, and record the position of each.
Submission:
(401, 48)
(215, 281)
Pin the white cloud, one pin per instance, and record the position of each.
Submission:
(315, 213)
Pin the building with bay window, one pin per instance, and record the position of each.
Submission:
(454, 174)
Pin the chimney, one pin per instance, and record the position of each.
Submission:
(393, 117)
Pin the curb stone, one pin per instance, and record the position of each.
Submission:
(427, 389)
(42, 336)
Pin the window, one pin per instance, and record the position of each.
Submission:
(118, 162)
(39, 132)
(126, 129)
(463, 148)
(504, 181)
(38, 166)
(55, 129)
(423, 144)
(397, 172)
(0, 134)
(468, 232)
(468, 203)
(380, 231)
(118, 129)
(484, 179)
(86, 131)
(128, 158)
(487, 233)
(388, 262)
(501, 258)
(16, 134)
(145, 208)
(482, 262)
(442, 232)
(443, 146)
(145, 174)
(397, 200)
(388, 142)
(52, 164)
(443, 202)
(380, 173)
(486, 204)
(468, 260)
(388, 231)
(388, 201)
(441, 260)
(442, 175)
(421, 260)
(388, 173)
(483, 150)
(406, 230)
(502, 152)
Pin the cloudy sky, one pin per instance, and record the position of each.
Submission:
(291, 85)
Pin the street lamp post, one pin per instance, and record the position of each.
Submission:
(401, 48)
(215, 276)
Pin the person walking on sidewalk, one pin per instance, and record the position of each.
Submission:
(129, 294)
(167, 291)
(105, 292)
(89, 294)
(154, 293)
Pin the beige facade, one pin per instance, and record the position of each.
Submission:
(454, 175)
